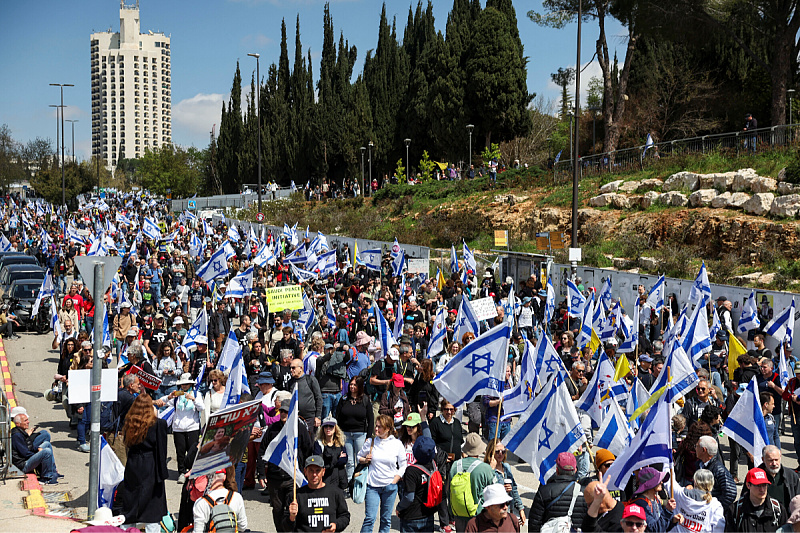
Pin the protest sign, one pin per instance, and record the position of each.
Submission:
(225, 438)
(148, 381)
(290, 297)
(419, 266)
(484, 308)
(80, 385)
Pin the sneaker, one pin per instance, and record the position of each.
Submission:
(448, 529)
(85, 448)
(51, 482)
(181, 479)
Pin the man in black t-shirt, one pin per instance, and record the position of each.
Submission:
(317, 506)
(154, 337)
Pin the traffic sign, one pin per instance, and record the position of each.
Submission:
(85, 264)
(192, 204)
(260, 217)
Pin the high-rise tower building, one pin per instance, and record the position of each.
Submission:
(131, 86)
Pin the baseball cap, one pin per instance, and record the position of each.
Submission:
(566, 462)
(18, 411)
(254, 309)
(644, 358)
(398, 381)
(285, 405)
(757, 476)
(634, 510)
(315, 460)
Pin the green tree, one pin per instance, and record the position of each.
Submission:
(231, 133)
(563, 78)
(171, 169)
(426, 166)
(78, 179)
(400, 171)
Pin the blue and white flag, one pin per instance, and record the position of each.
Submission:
(651, 445)
(326, 264)
(167, 414)
(215, 267)
(237, 383)
(716, 325)
(783, 367)
(466, 321)
(632, 333)
(549, 427)
(230, 351)
(199, 381)
(330, 312)
(479, 368)
(399, 321)
(297, 256)
(150, 229)
(282, 451)
(307, 315)
(592, 399)
(207, 229)
(701, 289)
(47, 290)
(230, 253)
(682, 377)
(749, 317)
(546, 360)
(517, 400)
(615, 434)
(55, 324)
(550, 302)
(385, 333)
(111, 474)
(637, 397)
(241, 285)
(576, 300)
(558, 156)
(302, 274)
(398, 263)
(438, 332)
(656, 296)
(696, 339)
(585, 334)
(648, 144)
(264, 256)
(745, 424)
(233, 234)
(470, 265)
(782, 326)
(195, 246)
(453, 259)
(370, 259)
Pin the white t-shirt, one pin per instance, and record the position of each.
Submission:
(699, 516)
(202, 510)
(388, 460)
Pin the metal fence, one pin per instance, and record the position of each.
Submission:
(230, 200)
(637, 158)
(5, 435)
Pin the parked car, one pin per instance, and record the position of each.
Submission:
(17, 259)
(20, 297)
(11, 273)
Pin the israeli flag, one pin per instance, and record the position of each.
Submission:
(307, 315)
(637, 397)
(233, 234)
(370, 259)
(5, 244)
(558, 156)
(550, 303)
(591, 401)
(697, 339)
(167, 414)
(782, 326)
(230, 253)
(651, 445)
(656, 297)
(150, 229)
(301, 274)
(470, 265)
(701, 289)
(241, 285)
(549, 427)
(585, 334)
(237, 383)
(207, 229)
(215, 267)
(47, 290)
(199, 380)
(682, 377)
(297, 256)
(230, 351)
(749, 317)
(476, 369)
(282, 451)
(466, 321)
(783, 368)
(746, 423)
(55, 325)
(196, 246)
(438, 333)
(453, 260)
(547, 361)
(385, 333)
(264, 256)
(648, 144)
(716, 325)
(632, 333)
(293, 187)
(326, 264)
(517, 400)
(111, 474)
(615, 433)
(576, 300)
(399, 322)
(399, 263)
(329, 310)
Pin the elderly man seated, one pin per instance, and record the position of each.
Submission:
(31, 451)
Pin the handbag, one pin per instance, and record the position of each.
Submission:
(360, 485)
(562, 524)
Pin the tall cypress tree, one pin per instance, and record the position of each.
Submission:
(230, 137)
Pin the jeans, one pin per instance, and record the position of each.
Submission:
(583, 465)
(505, 427)
(165, 390)
(43, 459)
(82, 424)
(89, 323)
(240, 469)
(379, 499)
(422, 525)
(329, 402)
(62, 284)
(353, 441)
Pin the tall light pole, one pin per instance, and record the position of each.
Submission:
(363, 149)
(408, 163)
(575, 251)
(58, 126)
(71, 121)
(258, 120)
(470, 127)
(63, 182)
(370, 167)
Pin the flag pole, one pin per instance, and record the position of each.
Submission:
(669, 431)
(294, 478)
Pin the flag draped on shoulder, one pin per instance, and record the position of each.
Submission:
(746, 423)
(479, 368)
(548, 427)
(282, 451)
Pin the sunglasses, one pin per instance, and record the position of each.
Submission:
(499, 452)
(579, 371)
(701, 389)
(214, 381)
(449, 409)
(633, 523)
(607, 465)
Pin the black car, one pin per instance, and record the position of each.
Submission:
(20, 296)
(17, 259)
(11, 273)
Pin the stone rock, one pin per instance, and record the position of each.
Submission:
(648, 199)
(673, 198)
(650, 184)
(785, 206)
(782, 174)
(612, 199)
(749, 278)
(759, 204)
(702, 197)
(743, 180)
(649, 263)
(766, 279)
(509, 199)
(761, 184)
(622, 263)
(629, 186)
(784, 187)
(636, 201)
(680, 181)
(611, 187)
(723, 180)
(721, 200)
(738, 199)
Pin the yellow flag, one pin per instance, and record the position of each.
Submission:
(622, 369)
(594, 342)
(648, 404)
(355, 253)
(440, 281)
(735, 349)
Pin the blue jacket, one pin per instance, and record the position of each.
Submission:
(772, 431)
(658, 518)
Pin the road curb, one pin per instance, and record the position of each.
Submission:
(8, 385)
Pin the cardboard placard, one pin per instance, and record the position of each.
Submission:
(484, 308)
(419, 266)
(148, 381)
(80, 385)
(225, 438)
(290, 297)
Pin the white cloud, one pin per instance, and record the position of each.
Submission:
(256, 40)
(193, 118)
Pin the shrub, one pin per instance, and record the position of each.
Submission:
(793, 170)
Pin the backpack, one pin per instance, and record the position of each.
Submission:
(435, 486)
(222, 516)
(461, 501)
(738, 516)
(370, 389)
(109, 417)
(562, 524)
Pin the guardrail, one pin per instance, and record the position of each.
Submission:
(229, 200)
(637, 158)
(5, 436)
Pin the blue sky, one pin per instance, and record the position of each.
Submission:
(47, 41)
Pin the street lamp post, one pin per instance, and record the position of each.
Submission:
(363, 191)
(258, 120)
(575, 251)
(363, 149)
(73, 121)
(63, 182)
(408, 162)
(470, 127)
(58, 126)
